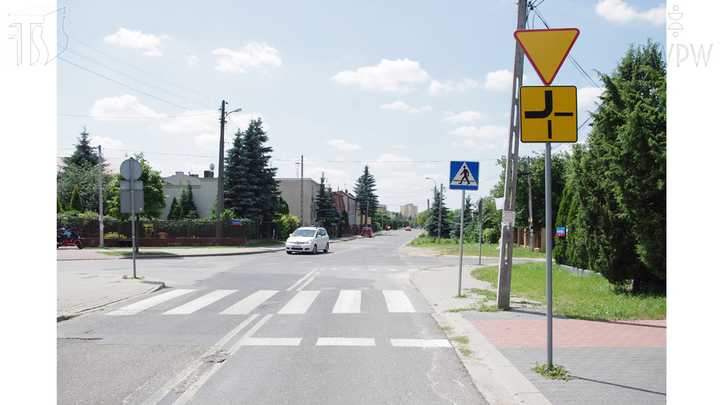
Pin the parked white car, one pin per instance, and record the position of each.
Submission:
(308, 239)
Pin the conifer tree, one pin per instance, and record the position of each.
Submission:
(326, 209)
(187, 202)
(75, 202)
(365, 197)
(83, 152)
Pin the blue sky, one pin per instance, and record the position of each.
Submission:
(403, 86)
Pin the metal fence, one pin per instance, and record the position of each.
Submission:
(179, 229)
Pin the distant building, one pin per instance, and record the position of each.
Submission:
(345, 201)
(409, 211)
(204, 190)
(291, 190)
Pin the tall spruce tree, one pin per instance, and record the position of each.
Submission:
(251, 190)
(326, 209)
(619, 176)
(83, 152)
(431, 222)
(468, 218)
(365, 197)
(187, 202)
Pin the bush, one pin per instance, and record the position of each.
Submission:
(490, 235)
(287, 224)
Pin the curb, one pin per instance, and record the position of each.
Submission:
(159, 285)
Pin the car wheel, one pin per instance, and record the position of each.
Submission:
(327, 247)
(314, 249)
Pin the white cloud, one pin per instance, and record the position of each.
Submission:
(467, 116)
(107, 143)
(620, 12)
(254, 56)
(498, 80)
(484, 132)
(587, 96)
(208, 141)
(390, 159)
(343, 145)
(193, 121)
(475, 144)
(191, 60)
(120, 107)
(387, 76)
(436, 87)
(148, 43)
(399, 105)
(467, 83)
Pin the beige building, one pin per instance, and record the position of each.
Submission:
(409, 211)
(300, 197)
(204, 191)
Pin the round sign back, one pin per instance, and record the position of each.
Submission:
(131, 168)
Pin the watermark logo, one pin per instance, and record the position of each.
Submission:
(679, 53)
(30, 36)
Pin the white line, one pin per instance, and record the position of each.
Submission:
(345, 342)
(348, 302)
(159, 395)
(248, 304)
(397, 301)
(306, 283)
(300, 303)
(272, 342)
(424, 343)
(301, 280)
(199, 303)
(139, 306)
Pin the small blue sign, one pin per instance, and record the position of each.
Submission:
(560, 231)
(234, 222)
(464, 175)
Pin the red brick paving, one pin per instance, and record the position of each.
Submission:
(573, 333)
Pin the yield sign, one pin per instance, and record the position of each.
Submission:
(547, 49)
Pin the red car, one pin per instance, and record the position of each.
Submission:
(367, 231)
(407, 228)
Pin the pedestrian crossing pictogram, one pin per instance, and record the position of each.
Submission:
(464, 175)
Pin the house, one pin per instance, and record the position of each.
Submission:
(204, 190)
(345, 201)
(300, 196)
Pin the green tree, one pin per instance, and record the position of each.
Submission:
(367, 201)
(59, 204)
(85, 176)
(75, 201)
(174, 212)
(431, 223)
(467, 221)
(153, 191)
(326, 209)
(84, 153)
(249, 183)
(187, 203)
(619, 176)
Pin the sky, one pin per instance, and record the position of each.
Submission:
(404, 87)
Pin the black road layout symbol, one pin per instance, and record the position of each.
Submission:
(546, 112)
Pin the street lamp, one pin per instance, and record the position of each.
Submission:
(220, 206)
(439, 210)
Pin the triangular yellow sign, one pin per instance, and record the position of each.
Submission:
(547, 49)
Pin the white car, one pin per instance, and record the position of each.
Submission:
(308, 239)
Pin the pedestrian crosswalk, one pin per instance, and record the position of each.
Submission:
(297, 303)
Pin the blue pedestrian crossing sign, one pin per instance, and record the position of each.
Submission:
(464, 175)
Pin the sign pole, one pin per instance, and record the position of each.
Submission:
(132, 215)
(548, 251)
(462, 226)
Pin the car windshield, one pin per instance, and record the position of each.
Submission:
(304, 232)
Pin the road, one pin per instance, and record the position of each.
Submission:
(343, 327)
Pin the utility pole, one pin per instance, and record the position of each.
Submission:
(530, 210)
(302, 201)
(100, 197)
(511, 171)
(439, 204)
(220, 207)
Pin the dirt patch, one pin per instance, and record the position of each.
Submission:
(410, 250)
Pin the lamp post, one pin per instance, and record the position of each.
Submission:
(439, 210)
(220, 207)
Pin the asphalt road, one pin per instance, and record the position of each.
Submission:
(339, 327)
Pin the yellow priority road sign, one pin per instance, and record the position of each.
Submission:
(548, 114)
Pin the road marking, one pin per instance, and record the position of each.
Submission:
(248, 304)
(397, 301)
(175, 382)
(424, 343)
(335, 341)
(348, 302)
(300, 303)
(140, 306)
(199, 303)
(272, 342)
(301, 280)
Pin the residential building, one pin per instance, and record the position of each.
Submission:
(345, 201)
(204, 190)
(291, 191)
(409, 211)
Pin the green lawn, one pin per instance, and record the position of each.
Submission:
(579, 297)
(451, 247)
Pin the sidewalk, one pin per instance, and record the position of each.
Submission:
(612, 362)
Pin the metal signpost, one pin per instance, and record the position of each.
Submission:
(132, 198)
(548, 114)
(463, 176)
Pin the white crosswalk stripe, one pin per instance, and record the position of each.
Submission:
(199, 303)
(397, 301)
(248, 304)
(140, 306)
(348, 302)
(300, 303)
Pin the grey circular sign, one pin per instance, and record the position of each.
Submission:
(131, 170)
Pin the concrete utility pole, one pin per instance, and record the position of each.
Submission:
(100, 197)
(220, 207)
(511, 171)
